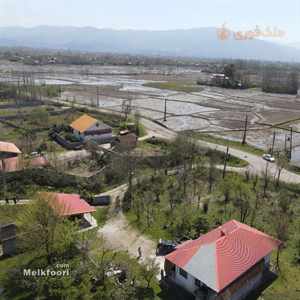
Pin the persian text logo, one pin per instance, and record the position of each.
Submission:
(225, 33)
(60, 270)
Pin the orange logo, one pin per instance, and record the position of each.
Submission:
(225, 33)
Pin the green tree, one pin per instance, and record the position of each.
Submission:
(44, 230)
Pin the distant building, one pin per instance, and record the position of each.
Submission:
(89, 128)
(227, 263)
(218, 79)
(11, 161)
(8, 151)
(127, 140)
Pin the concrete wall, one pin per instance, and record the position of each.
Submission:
(246, 289)
(187, 283)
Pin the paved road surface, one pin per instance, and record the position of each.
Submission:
(257, 165)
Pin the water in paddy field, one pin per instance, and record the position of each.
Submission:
(296, 156)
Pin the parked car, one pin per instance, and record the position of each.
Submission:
(101, 200)
(165, 247)
(268, 157)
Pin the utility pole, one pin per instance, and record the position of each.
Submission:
(291, 142)
(98, 97)
(273, 143)
(285, 144)
(165, 114)
(225, 162)
(245, 130)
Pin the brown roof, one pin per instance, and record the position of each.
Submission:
(83, 123)
(9, 148)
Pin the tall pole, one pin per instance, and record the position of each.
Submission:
(165, 114)
(245, 130)
(285, 144)
(273, 143)
(225, 162)
(98, 94)
(291, 143)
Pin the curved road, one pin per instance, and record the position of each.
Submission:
(257, 165)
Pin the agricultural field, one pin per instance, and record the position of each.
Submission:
(206, 109)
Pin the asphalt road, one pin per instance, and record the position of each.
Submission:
(257, 165)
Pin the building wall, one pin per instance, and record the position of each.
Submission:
(187, 283)
(101, 136)
(247, 288)
(244, 285)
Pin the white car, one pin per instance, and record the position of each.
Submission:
(268, 157)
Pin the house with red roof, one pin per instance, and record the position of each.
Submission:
(227, 263)
(71, 206)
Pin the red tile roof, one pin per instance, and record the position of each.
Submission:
(9, 148)
(69, 204)
(224, 254)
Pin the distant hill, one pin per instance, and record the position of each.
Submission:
(200, 43)
(295, 45)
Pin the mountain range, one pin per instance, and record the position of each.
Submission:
(197, 43)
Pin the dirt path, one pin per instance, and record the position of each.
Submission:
(119, 235)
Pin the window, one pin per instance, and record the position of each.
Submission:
(198, 283)
(183, 273)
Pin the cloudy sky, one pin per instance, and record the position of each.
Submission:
(155, 14)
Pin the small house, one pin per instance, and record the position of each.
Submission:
(88, 128)
(71, 206)
(8, 156)
(127, 139)
(227, 263)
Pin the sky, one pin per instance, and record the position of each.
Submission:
(155, 14)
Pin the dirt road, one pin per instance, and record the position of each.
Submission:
(119, 235)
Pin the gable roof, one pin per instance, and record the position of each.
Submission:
(83, 123)
(221, 256)
(9, 148)
(69, 204)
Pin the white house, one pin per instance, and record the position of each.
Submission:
(89, 128)
(225, 264)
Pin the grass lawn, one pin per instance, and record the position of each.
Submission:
(162, 146)
(179, 86)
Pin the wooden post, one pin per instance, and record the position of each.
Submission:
(245, 130)
(225, 162)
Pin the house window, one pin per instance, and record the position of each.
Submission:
(183, 273)
(198, 282)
